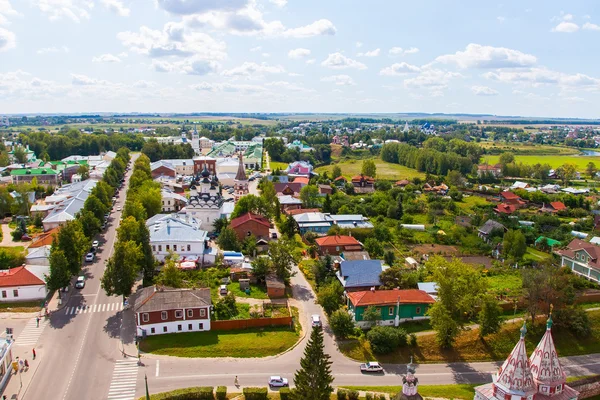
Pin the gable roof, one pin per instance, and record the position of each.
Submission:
(505, 208)
(389, 297)
(577, 245)
(558, 205)
(153, 298)
(302, 211)
(509, 196)
(249, 217)
(294, 186)
(172, 229)
(18, 276)
(44, 239)
(358, 273)
(337, 240)
(490, 225)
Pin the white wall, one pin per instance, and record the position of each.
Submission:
(196, 249)
(25, 293)
(172, 327)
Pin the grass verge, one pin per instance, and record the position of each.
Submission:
(256, 291)
(385, 170)
(462, 391)
(24, 306)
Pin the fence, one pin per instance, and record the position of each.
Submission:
(235, 324)
(587, 387)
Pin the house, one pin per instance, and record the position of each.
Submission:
(250, 224)
(44, 176)
(486, 229)
(289, 189)
(68, 201)
(299, 211)
(160, 310)
(410, 262)
(182, 166)
(340, 181)
(320, 223)
(302, 147)
(162, 168)
(201, 162)
(511, 198)
(172, 202)
(519, 185)
(180, 234)
(299, 168)
(288, 203)
(19, 284)
(431, 288)
(582, 258)
(486, 169)
(441, 189)
(553, 207)
(38, 255)
(325, 190)
(275, 287)
(363, 184)
(302, 180)
(506, 209)
(402, 183)
(393, 306)
(360, 275)
(351, 221)
(44, 239)
(337, 244)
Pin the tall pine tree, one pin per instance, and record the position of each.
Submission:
(313, 380)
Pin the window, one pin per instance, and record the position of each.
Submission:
(153, 247)
(16, 293)
(4, 294)
(201, 326)
(168, 247)
(152, 330)
(169, 202)
(391, 310)
(164, 315)
(337, 248)
(179, 328)
(178, 314)
(202, 313)
(418, 310)
(189, 247)
(174, 247)
(160, 247)
(164, 328)
(190, 313)
(189, 327)
(145, 317)
(577, 256)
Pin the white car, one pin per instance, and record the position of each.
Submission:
(89, 257)
(118, 208)
(80, 284)
(95, 243)
(278, 381)
(315, 320)
(371, 367)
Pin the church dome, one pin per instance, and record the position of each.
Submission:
(205, 172)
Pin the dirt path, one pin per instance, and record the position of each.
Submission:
(7, 238)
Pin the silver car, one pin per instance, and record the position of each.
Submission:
(371, 367)
(278, 381)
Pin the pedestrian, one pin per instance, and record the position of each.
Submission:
(37, 320)
(33, 352)
(26, 364)
(236, 382)
(21, 365)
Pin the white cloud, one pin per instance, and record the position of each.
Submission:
(173, 40)
(399, 69)
(311, 61)
(484, 91)
(566, 27)
(317, 28)
(249, 69)
(591, 27)
(228, 87)
(80, 79)
(7, 40)
(279, 3)
(117, 7)
(106, 58)
(298, 53)
(434, 79)
(340, 80)
(257, 48)
(478, 56)
(340, 61)
(53, 49)
(144, 84)
(289, 86)
(359, 44)
(500, 19)
(187, 7)
(76, 10)
(6, 10)
(265, 55)
(568, 17)
(190, 66)
(372, 53)
(536, 77)
(399, 51)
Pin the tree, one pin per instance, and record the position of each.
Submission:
(283, 259)
(96, 206)
(219, 224)
(567, 172)
(90, 224)
(248, 245)
(122, 269)
(591, 169)
(489, 316)
(60, 276)
(72, 241)
(330, 296)
(6, 202)
(288, 227)
(310, 197)
(372, 315)
(446, 329)
(269, 196)
(148, 194)
(369, 168)
(313, 380)
(228, 240)
(261, 267)
(374, 247)
(385, 339)
(507, 158)
(341, 323)
(20, 155)
(170, 275)
(275, 148)
(395, 277)
(84, 171)
(327, 204)
(455, 178)
(514, 245)
(336, 172)
(250, 203)
(133, 208)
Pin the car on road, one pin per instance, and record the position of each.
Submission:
(278, 381)
(80, 284)
(274, 235)
(104, 225)
(95, 243)
(118, 208)
(89, 257)
(93, 250)
(315, 320)
(371, 367)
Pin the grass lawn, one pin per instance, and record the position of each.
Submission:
(527, 148)
(416, 326)
(438, 391)
(469, 347)
(469, 203)
(23, 306)
(278, 165)
(553, 160)
(243, 343)
(536, 255)
(256, 291)
(385, 170)
(504, 283)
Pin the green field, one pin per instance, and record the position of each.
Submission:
(554, 161)
(528, 148)
(385, 170)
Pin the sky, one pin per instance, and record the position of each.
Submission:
(521, 58)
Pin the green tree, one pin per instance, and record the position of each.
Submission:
(373, 247)
(310, 197)
(385, 339)
(261, 267)
(283, 259)
(149, 196)
(72, 241)
(250, 203)
(6, 202)
(446, 329)
(489, 317)
(219, 224)
(341, 323)
(288, 227)
(369, 168)
(269, 196)
(327, 204)
(170, 275)
(591, 169)
(275, 148)
(96, 206)
(455, 178)
(336, 172)
(84, 171)
(20, 155)
(103, 192)
(395, 277)
(90, 224)
(372, 314)
(60, 275)
(135, 209)
(313, 380)
(122, 269)
(228, 240)
(514, 245)
(389, 257)
(567, 172)
(507, 158)
(330, 296)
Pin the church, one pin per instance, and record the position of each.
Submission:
(205, 202)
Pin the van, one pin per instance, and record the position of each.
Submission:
(223, 290)
(315, 320)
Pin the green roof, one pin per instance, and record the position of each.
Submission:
(551, 242)
(33, 171)
(254, 151)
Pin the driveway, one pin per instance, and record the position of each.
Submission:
(7, 238)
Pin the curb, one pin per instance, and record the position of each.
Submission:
(28, 384)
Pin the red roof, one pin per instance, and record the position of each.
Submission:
(249, 217)
(301, 179)
(301, 211)
(337, 240)
(558, 205)
(18, 276)
(403, 182)
(44, 239)
(509, 195)
(486, 167)
(340, 178)
(365, 178)
(505, 208)
(385, 297)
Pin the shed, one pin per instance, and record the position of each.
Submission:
(275, 287)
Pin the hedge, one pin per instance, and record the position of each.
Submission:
(285, 394)
(193, 393)
(341, 394)
(256, 393)
(353, 395)
(222, 393)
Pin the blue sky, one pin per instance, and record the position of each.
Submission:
(530, 58)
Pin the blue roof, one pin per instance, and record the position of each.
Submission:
(361, 272)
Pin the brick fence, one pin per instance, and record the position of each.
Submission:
(587, 387)
(249, 323)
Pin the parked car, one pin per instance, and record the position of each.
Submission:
(278, 381)
(223, 290)
(371, 367)
(80, 284)
(118, 208)
(95, 243)
(273, 235)
(104, 226)
(315, 320)
(93, 250)
(89, 257)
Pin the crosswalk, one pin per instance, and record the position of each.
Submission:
(93, 308)
(31, 333)
(124, 380)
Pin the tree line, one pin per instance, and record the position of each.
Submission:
(427, 160)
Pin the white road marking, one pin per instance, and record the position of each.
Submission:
(124, 380)
(93, 308)
(157, 366)
(31, 333)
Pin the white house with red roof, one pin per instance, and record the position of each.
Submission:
(19, 284)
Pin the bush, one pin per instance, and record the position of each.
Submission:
(574, 319)
(341, 324)
(368, 396)
(11, 258)
(222, 393)
(341, 394)
(353, 395)
(385, 339)
(285, 394)
(256, 393)
(193, 393)
(382, 397)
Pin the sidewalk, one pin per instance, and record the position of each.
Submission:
(17, 386)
